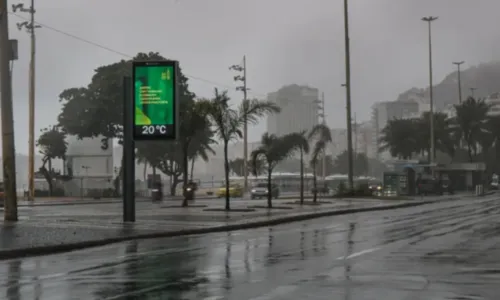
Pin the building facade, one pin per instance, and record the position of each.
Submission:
(89, 162)
(494, 101)
(299, 110)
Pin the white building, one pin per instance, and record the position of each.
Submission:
(494, 101)
(90, 163)
(299, 110)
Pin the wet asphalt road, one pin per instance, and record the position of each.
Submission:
(441, 251)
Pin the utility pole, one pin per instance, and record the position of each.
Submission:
(30, 28)
(355, 136)
(472, 89)
(429, 20)
(458, 63)
(348, 95)
(242, 69)
(322, 116)
(8, 145)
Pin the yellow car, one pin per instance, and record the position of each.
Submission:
(235, 191)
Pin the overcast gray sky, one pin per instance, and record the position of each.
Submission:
(286, 41)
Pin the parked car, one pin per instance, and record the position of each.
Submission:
(260, 190)
(235, 191)
(434, 186)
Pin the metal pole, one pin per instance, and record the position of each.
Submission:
(128, 184)
(348, 95)
(458, 63)
(431, 100)
(31, 166)
(324, 123)
(245, 129)
(8, 145)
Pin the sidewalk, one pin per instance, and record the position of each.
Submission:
(89, 226)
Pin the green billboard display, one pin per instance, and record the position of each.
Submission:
(155, 100)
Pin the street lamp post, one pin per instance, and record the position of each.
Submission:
(7, 116)
(242, 69)
(348, 96)
(30, 28)
(431, 99)
(322, 116)
(458, 63)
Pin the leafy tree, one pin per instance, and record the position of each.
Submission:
(471, 123)
(228, 122)
(360, 162)
(52, 145)
(272, 150)
(162, 155)
(201, 148)
(237, 166)
(399, 136)
(444, 141)
(299, 141)
(97, 109)
(322, 136)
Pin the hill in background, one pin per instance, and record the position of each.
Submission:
(485, 77)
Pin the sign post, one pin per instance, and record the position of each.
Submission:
(151, 112)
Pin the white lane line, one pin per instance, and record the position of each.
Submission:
(356, 254)
(277, 292)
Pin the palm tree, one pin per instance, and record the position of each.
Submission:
(228, 122)
(272, 151)
(201, 148)
(194, 123)
(321, 133)
(299, 141)
(471, 120)
(399, 137)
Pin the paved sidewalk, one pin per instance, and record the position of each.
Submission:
(91, 226)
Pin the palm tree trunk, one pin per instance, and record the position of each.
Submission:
(269, 188)
(315, 184)
(226, 173)
(192, 168)
(51, 186)
(145, 171)
(301, 176)
(185, 175)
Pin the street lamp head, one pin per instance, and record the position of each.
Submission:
(458, 63)
(429, 19)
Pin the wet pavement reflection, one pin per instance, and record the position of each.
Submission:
(440, 251)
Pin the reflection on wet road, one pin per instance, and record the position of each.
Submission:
(440, 251)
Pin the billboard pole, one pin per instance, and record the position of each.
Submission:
(128, 182)
(151, 113)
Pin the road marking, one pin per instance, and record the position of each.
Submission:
(356, 254)
(277, 292)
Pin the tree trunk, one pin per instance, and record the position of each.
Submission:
(301, 177)
(51, 184)
(315, 184)
(192, 168)
(226, 174)
(185, 175)
(269, 188)
(145, 171)
(173, 186)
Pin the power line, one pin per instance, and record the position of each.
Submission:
(95, 44)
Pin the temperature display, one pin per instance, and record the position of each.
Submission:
(155, 109)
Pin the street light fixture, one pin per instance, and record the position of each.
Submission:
(429, 20)
(458, 63)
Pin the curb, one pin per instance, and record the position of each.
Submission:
(54, 249)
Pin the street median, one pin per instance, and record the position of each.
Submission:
(236, 225)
